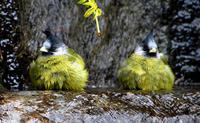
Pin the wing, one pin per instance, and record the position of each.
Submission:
(163, 58)
(75, 57)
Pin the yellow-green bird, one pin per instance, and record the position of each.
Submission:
(145, 69)
(58, 67)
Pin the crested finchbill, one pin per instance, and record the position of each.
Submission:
(145, 69)
(58, 66)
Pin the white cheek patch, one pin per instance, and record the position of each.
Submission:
(139, 51)
(159, 55)
(47, 44)
(60, 51)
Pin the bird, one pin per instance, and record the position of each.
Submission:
(146, 68)
(58, 67)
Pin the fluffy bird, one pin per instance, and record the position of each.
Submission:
(145, 69)
(58, 66)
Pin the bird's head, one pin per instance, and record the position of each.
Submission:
(147, 47)
(52, 46)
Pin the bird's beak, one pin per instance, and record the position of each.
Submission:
(43, 49)
(153, 50)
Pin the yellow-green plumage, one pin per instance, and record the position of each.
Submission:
(145, 73)
(59, 72)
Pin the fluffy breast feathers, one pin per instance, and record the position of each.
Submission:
(59, 72)
(145, 73)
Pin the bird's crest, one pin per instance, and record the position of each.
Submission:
(47, 33)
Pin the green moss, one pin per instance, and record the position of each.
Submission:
(145, 73)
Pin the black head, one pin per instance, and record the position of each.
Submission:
(47, 33)
(52, 45)
(147, 47)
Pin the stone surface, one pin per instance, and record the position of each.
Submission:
(99, 106)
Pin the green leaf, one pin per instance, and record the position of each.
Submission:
(89, 12)
(92, 1)
(81, 1)
(92, 4)
(97, 13)
(94, 9)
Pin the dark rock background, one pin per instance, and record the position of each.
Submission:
(184, 45)
(123, 24)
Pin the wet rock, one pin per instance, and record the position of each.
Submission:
(13, 65)
(2, 89)
(184, 49)
(100, 106)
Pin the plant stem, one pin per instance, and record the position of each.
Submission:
(98, 30)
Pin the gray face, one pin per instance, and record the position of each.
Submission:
(151, 44)
(147, 47)
(47, 44)
(53, 46)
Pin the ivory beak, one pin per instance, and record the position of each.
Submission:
(153, 50)
(43, 49)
